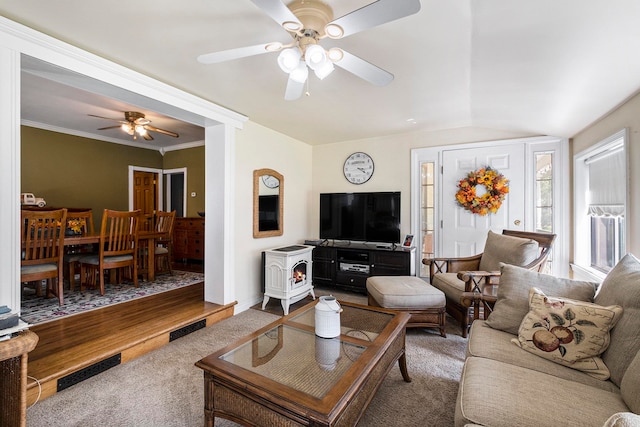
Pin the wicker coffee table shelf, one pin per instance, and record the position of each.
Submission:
(284, 375)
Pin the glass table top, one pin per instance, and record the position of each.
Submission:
(297, 358)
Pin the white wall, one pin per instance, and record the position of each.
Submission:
(626, 116)
(258, 147)
(392, 161)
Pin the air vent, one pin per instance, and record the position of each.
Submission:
(88, 372)
(186, 330)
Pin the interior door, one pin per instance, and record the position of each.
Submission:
(464, 233)
(145, 197)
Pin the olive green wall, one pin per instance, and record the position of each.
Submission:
(193, 160)
(71, 171)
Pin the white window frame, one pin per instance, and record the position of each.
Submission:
(581, 265)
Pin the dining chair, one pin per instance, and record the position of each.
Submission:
(118, 248)
(163, 250)
(42, 250)
(78, 223)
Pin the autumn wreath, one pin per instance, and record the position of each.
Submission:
(495, 184)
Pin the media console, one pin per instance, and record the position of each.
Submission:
(348, 265)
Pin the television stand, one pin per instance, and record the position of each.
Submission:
(348, 267)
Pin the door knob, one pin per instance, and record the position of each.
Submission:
(516, 222)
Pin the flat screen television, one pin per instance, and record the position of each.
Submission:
(366, 217)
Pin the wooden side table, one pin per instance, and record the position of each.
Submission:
(13, 378)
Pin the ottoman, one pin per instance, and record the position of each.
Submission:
(411, 294)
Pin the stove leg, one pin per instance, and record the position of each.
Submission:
(265, 301)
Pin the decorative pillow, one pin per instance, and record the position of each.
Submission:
(507, 249)
(571, 333)
(622, 287)
(513, 295)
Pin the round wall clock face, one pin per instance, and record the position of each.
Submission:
(358, 168)
(271, 181)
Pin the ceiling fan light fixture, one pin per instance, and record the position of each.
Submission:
(315, 56)
(333, 31)
(289, 59)
(127, 128)
(324, 70)
(300, 73)
(335, 54)
(141, 130)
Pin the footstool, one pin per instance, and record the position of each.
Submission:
(411, 294)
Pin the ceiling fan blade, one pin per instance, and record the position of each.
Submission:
(365, 70)
(278, 11)
(166, 132)
(147, 137)
(240, 52)
(108, 118)
(294, 90)
(108, 127)
(376, 13)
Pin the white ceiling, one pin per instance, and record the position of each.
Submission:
(547, 67)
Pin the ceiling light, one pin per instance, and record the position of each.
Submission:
(127, 128)
(289, 59)
(324, 70)
(333, 31)
(141, 130)
(315, 56)
(300, 73)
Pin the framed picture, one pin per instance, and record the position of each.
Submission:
(408, 241)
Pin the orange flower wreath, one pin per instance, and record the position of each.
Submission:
(495, 183)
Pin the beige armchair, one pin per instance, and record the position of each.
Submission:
(458, 276)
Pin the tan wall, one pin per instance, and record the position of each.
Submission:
(193, 160)
(71, 171)
(258, 147)
(392, 160)
(626, 116)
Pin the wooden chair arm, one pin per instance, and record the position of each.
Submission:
(476, 280)
(451, 265)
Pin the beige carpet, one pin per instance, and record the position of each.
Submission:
(164, 388)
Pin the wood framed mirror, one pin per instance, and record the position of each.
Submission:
(268, 203)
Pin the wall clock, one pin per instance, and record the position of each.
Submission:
(271, 181)
(358, 168)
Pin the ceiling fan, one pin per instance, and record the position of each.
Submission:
(135, 124)
(308, 22)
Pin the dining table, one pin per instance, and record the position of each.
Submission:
(149, 237)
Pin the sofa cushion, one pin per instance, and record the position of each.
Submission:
(630, 387)
(507, 249)
(623, 419)
(622, 287)
(449, 284)
(512, 302)
(498, 394)
(571, 333)
(495, 344)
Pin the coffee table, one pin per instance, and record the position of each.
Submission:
(284, 375)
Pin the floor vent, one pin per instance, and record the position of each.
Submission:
(179, 333)
(88, 372)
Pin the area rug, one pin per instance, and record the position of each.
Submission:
(36, 309)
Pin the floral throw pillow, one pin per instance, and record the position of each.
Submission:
(569, 332)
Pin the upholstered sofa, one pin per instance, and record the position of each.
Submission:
(583, 369)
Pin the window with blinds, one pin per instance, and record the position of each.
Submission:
(601, 202)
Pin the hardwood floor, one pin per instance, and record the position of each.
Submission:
(76, 347)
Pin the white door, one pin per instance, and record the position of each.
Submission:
(464, 233)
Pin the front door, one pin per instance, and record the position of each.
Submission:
(464, 233)
(145, 191)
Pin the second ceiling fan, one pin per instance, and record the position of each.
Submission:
(136, 124)
(308, 22)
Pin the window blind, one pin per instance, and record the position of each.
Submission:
(607, 171)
